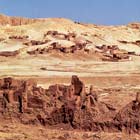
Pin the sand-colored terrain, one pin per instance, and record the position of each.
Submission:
(50, 51)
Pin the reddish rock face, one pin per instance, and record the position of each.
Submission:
(25, 101)
(15, 21)
(15, 92)
(78, 85)
(138, 97)
(9, 53)
(128, 119)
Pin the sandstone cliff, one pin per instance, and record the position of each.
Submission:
(15, 21)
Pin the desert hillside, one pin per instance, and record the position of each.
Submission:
(48, 45)
(42, 33)
(76, 80)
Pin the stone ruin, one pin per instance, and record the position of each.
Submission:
(24, 97)
(113, 53)
(14, 93)
(72, 105)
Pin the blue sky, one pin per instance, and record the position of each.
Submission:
(108, 12)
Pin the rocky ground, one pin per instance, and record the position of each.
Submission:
(25, 132)
(41, 55)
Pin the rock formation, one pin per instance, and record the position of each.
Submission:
(19, 37)
(127, 119)
(24, 101)
(9, 53)
(57, 101)
(138, 97)
(15, 21)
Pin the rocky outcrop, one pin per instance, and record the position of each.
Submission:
(58, 102)
(128, 118)
(113, 53)
(70, 104)
(62, 36)
(19, 37)
(137, 42)
(134, 25)
(55, 46)
(9, 53)
(35, 42)
(15, 21)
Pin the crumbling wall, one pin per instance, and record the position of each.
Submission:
(70, 104)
